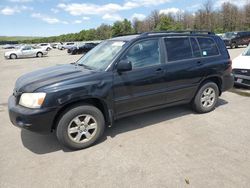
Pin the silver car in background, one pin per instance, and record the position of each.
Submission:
(25, 51)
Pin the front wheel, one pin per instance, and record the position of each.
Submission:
(13, 56)
(39, 54)
(80, 127)
(206, 98)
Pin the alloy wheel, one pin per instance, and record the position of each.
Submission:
(82, 128)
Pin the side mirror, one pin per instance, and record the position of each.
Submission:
(124, 65)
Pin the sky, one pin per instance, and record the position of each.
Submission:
(55, 17)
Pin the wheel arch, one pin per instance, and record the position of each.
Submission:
(216, 79)
(98, 103)
(13, 54)
(38, 53)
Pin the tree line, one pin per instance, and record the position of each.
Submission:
(228, 17)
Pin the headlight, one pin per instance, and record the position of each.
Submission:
(32, 100)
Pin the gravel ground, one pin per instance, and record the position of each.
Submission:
(172, 147)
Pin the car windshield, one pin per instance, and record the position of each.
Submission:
(230, 35)
(101, 56)
(246, 51)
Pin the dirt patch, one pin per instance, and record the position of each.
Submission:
(3, 106)
(242, 92)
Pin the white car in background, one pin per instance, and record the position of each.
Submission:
(25, 51)
(67, 45)
(46, 46)
(241, 68)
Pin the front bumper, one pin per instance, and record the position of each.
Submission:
(242, 80)
(36, 120)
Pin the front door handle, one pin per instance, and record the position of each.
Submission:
(159, 71)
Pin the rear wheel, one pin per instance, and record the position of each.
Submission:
(80, 127)
(206, 98)
(13, 56)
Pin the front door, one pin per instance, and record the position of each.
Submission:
(142, 87)
(27, 51)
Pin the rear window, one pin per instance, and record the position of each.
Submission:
(208, 47)
(178, 48)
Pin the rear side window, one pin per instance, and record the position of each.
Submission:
(208, 47)
(178, 48)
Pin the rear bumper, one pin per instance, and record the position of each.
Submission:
(36, 120)
(227, 82)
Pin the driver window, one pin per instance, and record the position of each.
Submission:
(27, 48)
(144, 53)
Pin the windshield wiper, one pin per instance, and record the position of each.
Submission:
(85, 66)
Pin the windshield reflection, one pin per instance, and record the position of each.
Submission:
(102, 55)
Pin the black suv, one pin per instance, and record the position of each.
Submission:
(120, 77)
(235, 39)
(81, 49)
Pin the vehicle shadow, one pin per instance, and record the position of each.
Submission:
(43, 144)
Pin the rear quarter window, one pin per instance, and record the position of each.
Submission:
(208, 47)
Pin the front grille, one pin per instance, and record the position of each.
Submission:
(245, 72)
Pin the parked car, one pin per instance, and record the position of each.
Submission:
(235, 39)
(120, 77)
(67, 45)
(241, 68)
(46, 46)
(25, 51)
(81, 49)
(56, 45)
(9, 46)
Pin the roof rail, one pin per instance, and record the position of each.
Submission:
(178, 32)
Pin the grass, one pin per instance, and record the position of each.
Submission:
(17, 38)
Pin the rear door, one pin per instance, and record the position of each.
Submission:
(184, 66)
(27, 51)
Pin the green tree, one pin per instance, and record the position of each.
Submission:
(122, 28)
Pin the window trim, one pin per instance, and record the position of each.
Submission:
(195, 38)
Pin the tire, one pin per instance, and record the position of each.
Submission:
(13, 56)
(233, 45)
(72, 131)
(206, 98)
(39, 54)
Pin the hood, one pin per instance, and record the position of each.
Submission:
(241, 62)
(44, 77)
